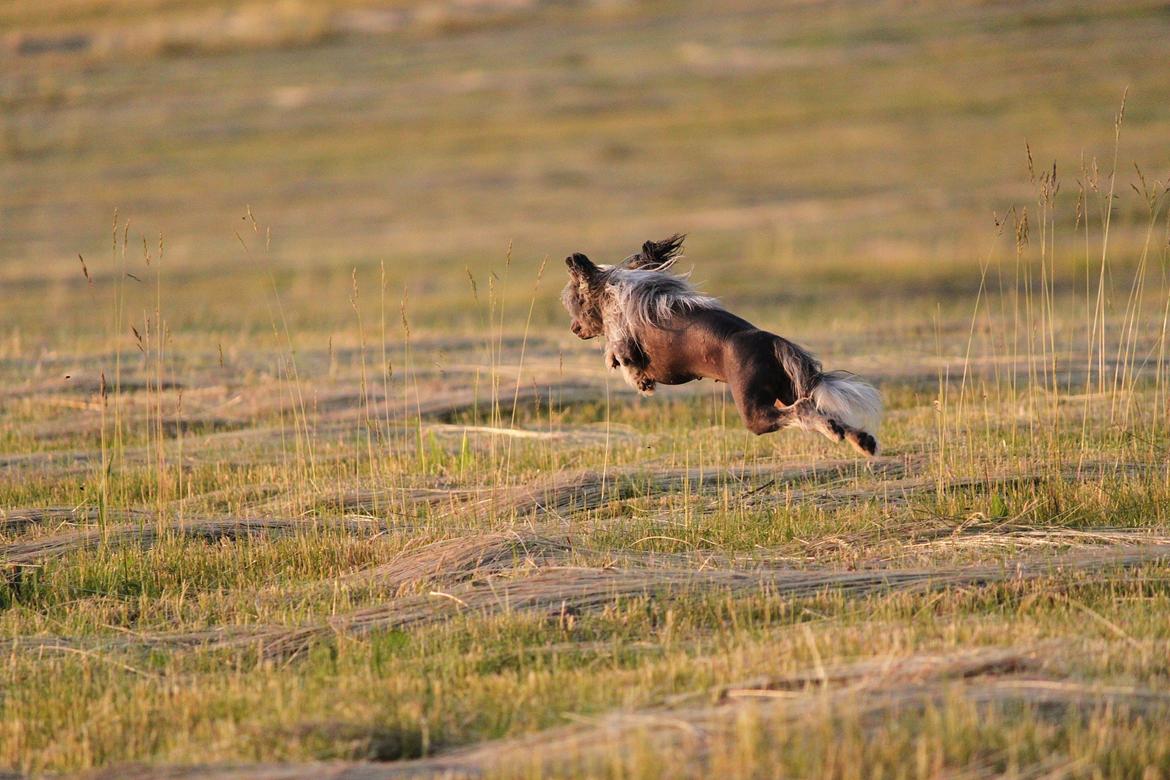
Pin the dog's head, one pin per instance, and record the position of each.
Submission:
(582, 296)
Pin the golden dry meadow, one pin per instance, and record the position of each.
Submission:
(303, 475)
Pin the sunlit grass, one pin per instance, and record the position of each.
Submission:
(306, 371)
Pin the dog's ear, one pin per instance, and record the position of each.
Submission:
(659, 255)
(580, 265)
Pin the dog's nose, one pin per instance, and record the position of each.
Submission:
(576, 329)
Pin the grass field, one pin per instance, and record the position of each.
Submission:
(303, 475)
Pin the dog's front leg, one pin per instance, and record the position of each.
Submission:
(634, 362)
(611, 360)
(630, 372)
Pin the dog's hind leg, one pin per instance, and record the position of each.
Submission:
(757, 381)
(760, 413)
(810, 418)
(763, 376)
(807, 417)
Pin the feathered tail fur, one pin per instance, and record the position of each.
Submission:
(848, 399)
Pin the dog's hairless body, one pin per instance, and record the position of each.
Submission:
(659, 330)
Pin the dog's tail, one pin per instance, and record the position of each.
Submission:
(848, 399)
(843, 396)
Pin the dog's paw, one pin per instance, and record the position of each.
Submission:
(863, 442)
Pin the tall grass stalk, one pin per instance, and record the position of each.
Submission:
(1040, 341)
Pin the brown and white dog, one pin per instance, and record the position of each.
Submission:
(659, 330)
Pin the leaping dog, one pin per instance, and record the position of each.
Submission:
(658, 329)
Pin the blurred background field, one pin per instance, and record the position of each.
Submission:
(869, 136)
(299, 461)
